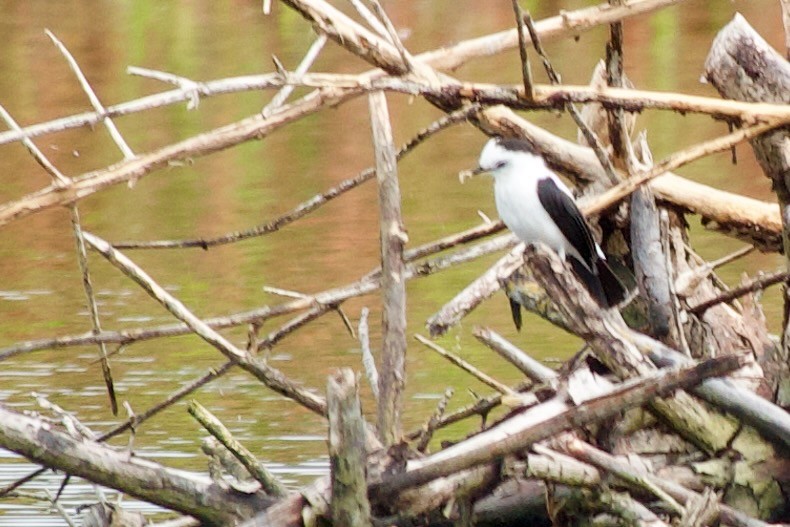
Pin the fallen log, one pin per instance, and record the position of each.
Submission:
(191, 494)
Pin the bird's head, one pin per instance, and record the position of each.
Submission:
(500, 155)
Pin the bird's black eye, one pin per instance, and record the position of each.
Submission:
(500, 164)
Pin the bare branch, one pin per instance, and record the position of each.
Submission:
(393, 283)
(97, 105)
(464, 365)
(271, 377)
(37, 154)
(270, 484)
(82, 257)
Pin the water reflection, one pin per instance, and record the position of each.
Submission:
(41, 295)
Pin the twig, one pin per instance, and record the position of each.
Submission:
(368, 362)
(280, 97)
(37, 154)
(334, 296)
(257, 127)
(82, 258)
(392, 377)
(434, 421)
(270, 484)
(392, 35)
(481, 407)
(97, 105)
(688, 281)
(570, 22)
(311, 204)
(292, 325)
(472, 295)
(275, 290)
(271, 377)
(58, 507)
(590, 454)
(190, 87)
(346, 321)
(637, 479)
(526, 71)
(589, 135)
(461, 363)
(526, 364)
(136, 420)
(618, 135)
(757, 284)
(374, 23)
(678, 159)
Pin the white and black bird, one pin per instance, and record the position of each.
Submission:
(538, 207)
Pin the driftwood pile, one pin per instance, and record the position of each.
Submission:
(672, 413)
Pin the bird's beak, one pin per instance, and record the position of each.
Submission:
(463, 175)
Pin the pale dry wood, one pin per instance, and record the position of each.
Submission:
(307, 61)
(37, 154)
(485, 286)
(310, 205)
(218, 139)
(545, 420)
(271, 377)
(203, 144)
(526, 364)
(589, 135)
(392, 379)
(676, 160)
(629, 353)
(475, 293)
(565, 24)
(426, 434)
(568, 23)
(521, 31)
(92, 97)
(467, 367)
(636, 472)
(368, 362)
(742, 65)
(758, 284)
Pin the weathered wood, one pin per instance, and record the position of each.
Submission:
(741, 65)
(347, 455)
(633, 471)
(181, 491)
(650, 264)
(392, 378)
(475, 293)
(269, 482)
(545, 420)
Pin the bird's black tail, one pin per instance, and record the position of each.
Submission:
(604, 286)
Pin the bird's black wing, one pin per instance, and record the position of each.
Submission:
(569, 219)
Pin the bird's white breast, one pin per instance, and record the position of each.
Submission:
(516, 196)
